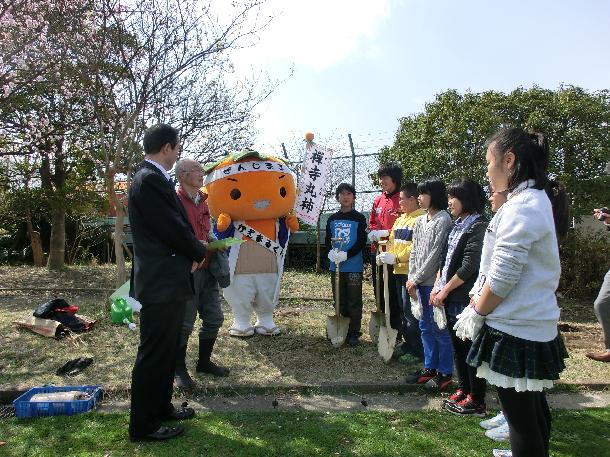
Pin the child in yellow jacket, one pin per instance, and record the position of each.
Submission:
(397, 254)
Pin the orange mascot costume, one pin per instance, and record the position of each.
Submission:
(251, 196)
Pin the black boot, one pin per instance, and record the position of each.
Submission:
(182, 377)
(205, 365)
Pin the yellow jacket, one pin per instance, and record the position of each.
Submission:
(401, 240)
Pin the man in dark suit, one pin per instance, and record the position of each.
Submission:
(165, 253)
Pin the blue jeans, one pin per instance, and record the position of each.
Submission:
(410, 326)
(438, 352)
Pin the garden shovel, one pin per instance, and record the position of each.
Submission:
(337, 325)
(387, 335)
(377, 318)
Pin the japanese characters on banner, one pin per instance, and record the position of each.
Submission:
(312, 180)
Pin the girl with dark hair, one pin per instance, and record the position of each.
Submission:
(513, 315)
(458, 271)
(429, 238)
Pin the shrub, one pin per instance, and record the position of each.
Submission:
(585, 258)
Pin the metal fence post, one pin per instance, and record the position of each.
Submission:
(351, 146)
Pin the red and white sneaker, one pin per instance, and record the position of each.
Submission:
(467, 407)
(457, 397)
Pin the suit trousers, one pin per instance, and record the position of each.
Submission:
(152, 377)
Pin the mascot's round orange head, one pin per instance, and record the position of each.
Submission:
(250, 186)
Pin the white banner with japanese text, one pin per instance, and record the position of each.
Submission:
(312, 180)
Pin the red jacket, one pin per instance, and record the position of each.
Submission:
(198, 215)
(385, 211)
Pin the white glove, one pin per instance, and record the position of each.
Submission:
(376, 235)
(468, 324)
(439, 316)
(378, 260)
(416, 308)
(387, 258)
(340, 256)
(332, 255)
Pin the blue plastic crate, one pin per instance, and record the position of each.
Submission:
(25, 408)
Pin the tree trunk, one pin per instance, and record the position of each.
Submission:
(119, 225)
(35, 241)
(58, 239)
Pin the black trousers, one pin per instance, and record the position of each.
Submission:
(467, 375)
(529, 422)
(152, 377)
(350, 298)
(395, 309)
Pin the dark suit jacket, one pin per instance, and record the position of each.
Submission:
(163, 241)
(465, 260)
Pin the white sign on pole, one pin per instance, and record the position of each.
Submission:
(316, 168)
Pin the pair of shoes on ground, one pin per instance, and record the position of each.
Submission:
(250, 331)
(164, 432)
(73, 367)
(600, 356)
(431, 379)
(462, 404)
(496, 428)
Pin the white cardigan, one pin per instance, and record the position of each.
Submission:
(520, 262)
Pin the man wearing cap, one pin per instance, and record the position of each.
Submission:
(166, 252)
(207, 295)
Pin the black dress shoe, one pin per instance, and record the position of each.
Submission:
(186, 412)
(162, 433)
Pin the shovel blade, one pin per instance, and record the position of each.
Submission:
(336, 329)
(386, 343)
(375, 322)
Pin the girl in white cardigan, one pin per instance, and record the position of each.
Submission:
(514, 313)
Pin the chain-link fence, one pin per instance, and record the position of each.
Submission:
(355, 160)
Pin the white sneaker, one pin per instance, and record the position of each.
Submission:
(499, 433)
(494, 421)
(503, 453)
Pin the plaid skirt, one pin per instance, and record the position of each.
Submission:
(518, 358)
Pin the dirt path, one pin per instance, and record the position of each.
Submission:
(355, 403)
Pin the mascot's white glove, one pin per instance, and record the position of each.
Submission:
(387, 258)
(340, 256)
(468, 324)
(416, 308)
(376, 235)
(440, 317)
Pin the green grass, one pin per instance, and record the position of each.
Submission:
(431, 434)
